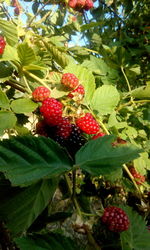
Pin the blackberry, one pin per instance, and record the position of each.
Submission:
(75, 140)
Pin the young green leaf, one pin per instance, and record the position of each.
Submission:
(23, 105)
(27, 159)
(7, 120)
(4, 101)
(20, 211)
(99, 157)
(10, 31)
(105, 99)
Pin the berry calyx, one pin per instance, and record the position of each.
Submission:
(70, 80)
(98, 135)
(79, 92)
(139, 179)
(40, 94)
(51, 109)
(88, 124)
(115, 219)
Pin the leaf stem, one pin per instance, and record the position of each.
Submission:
(27, 85)
(128, 84)
(36, 78)
(128, 103)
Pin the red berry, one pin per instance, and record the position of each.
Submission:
(88, 5)
(17, 10)
(80, 4)
(88, 124)
(51, 109)
(115, 219)
(64, 128)
(139, 179)
(78, 91)
(40, 94)
(1, 50)
(70, 80)
(2, 45)
(72, 3)
(98, 135)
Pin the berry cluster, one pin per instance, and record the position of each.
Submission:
(80, 5)
(139, 179)
(2, 45)
(115, 219)
(64, 127)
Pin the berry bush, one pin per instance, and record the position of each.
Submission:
(74, 125)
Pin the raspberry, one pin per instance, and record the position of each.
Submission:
(72, 3)
(51, 109)
(40, 94)
(139, 178)
(64, 128)
(88, 124)
(80, 4)
(88, 5)
(116, 219)
(79, 91)
(2, 45)
(98, 135)
(70, 80)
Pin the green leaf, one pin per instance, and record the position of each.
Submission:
(21, 210)
(99, 157)
(46, 242)
(26, 54)
(137, 237)
(7, 120)
(23, 105)
(4, 102)
(105, 99)
(28, 159)
(6, 70)
(86, 78)
(142, 92)
(10, 31)
(10, 54)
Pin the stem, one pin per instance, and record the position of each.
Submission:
(127, 81)
(16, 86)
(74, 183)
(27, 85)
(132, 178)
(36, 78)
(128, 103)
(73, 197)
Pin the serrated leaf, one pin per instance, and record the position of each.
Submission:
(7, 120)
(26, 54)
(10, 31)
(86, 78)
(4, 101)
(46, 242)
(142, 92)
(99, 157)
(28, 159)
(137, 237)
(20, 211)
(105, 99)
(10, 54)
(23, 105)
